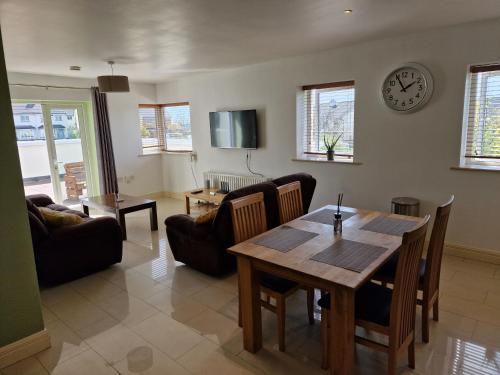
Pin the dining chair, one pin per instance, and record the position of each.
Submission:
(249, 219)
(290, 202)
(429, 269)
(390, 312)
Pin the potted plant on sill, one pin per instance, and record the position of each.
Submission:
(330, 143)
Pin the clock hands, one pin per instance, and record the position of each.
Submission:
(400, 83)
(410, 85)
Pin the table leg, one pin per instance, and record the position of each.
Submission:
(85, 209)
(153, 218)
(250, 305)
(188, 207)
(341, 332)
(121, 219)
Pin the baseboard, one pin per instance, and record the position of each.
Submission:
(24, 348)
(484, 255)
(157, 195)
(174, 195)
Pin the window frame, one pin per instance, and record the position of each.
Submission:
(302, 113)
(160, 120)
(468, 161)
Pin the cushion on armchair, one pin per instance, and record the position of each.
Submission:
(59, 218)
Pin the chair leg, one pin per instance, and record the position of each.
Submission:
(425, 322)
(281, 315)
(325, 363)
(435, 310)
(392, 363)
(310, 305)
(411, 354)
(240, 323)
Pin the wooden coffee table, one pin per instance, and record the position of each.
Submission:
(203, 195)
(126, 205)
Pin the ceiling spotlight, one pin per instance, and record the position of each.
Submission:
(75, 67)
(348, 11)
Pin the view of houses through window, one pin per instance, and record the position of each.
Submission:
(165, 127)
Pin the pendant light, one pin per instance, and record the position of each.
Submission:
(113, 83)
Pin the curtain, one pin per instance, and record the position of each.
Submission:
(108, 180)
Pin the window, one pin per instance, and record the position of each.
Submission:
(165, 127)
(327, 113)
(481, 139)
(58, 118)
(25, 118)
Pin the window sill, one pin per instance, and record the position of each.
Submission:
(477, 168)
(158, 152)
(319, 159)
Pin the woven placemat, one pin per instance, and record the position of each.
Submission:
(325, 216)
(351, 255)
(389, 225)
(285, 238)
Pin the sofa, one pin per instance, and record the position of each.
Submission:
(203, 246)
(69, 252)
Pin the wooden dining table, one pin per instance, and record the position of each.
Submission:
(297, 265)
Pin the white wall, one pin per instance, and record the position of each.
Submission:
(124, 125)
(400, 154)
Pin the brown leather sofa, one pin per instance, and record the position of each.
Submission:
(203, 246)
(70, 252)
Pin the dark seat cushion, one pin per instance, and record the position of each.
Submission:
(388, 271)
(276, 284)
(373, 303)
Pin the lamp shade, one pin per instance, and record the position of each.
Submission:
(113, 83)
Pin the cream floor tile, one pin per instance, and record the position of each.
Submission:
(87, 363)
(78, 312)
(497, 272)
(470, 309)
(95, 288)
(65, 344)
(493, 300)
(187, 281)
(115, 343)
(477, 267)
(215, 327)
(138, 285)
(467, 292)
(48, 316)
(149, 361)
(176, 306)
(228, 283)
(127, 309)
(213, 297)
(487, 335)
(476, 281)
(207, 358)
(29, 366)
(54, 295)
(171, 337)
(97, 327)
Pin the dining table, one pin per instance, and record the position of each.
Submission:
(307, 251)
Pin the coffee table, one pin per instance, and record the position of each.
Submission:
(125, 205)
(207, 195)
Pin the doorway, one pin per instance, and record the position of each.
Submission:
(56, 149)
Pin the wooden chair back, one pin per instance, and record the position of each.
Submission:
(249, 216)
(290, 202)
(404, 296)
(435, 250)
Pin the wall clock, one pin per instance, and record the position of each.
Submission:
(407, 88)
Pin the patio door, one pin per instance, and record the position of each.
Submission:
(55, 150)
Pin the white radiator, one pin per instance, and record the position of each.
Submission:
(235, 181)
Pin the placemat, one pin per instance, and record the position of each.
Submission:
(325, 216)
(389, 225)
(351, 255)
(285, 238)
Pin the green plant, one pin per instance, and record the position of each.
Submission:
(331, 141)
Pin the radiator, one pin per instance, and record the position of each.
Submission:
(235, 181)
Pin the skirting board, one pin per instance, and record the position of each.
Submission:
(484, 255)
(164, 194)
(24, 348)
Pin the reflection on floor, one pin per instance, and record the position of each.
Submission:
(151, 315)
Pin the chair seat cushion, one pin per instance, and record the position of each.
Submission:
(388, 271)
(372, 303)
(276, 284)
(56, 219)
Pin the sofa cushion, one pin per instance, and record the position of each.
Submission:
(57, 219)
(207, 217)
(34, 210)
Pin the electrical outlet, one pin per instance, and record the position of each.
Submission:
(194, 156)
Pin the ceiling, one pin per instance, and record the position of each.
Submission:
(157, 40)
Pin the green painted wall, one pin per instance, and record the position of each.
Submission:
(20, 309)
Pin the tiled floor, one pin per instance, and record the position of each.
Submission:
(151, 315)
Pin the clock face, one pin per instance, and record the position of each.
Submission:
(407, 88)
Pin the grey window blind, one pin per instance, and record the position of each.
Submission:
(328, 111)
(177, 122)
(483, 115)
(151, 127)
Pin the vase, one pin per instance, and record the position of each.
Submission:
(329, 154)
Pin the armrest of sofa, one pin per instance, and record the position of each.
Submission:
(40, 200)
(186, 225)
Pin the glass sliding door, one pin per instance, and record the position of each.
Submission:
(62, 165)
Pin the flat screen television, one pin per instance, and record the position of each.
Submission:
(234, 129)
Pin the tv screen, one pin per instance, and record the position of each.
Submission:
(234, 129)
